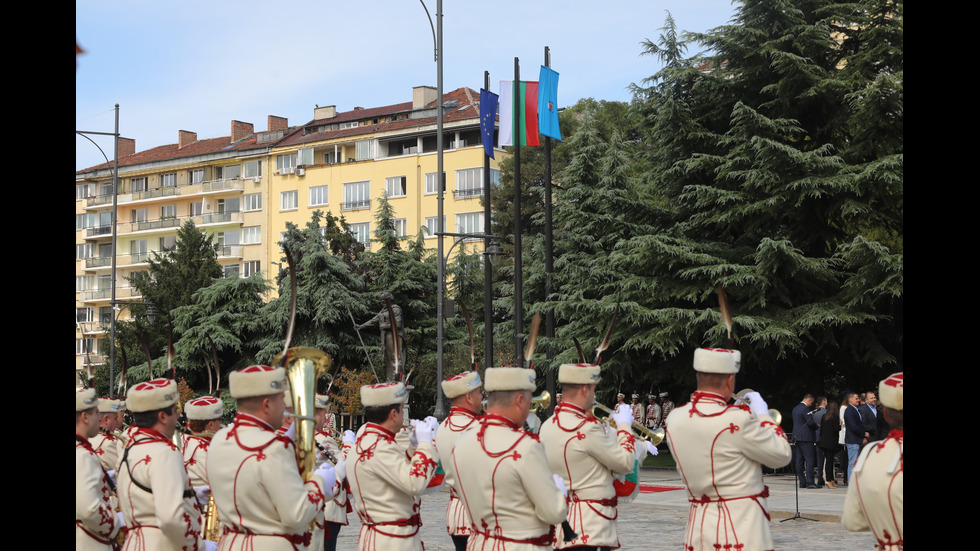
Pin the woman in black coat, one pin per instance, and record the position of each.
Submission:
(828, 443)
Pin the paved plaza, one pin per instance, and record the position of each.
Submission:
(656, 520)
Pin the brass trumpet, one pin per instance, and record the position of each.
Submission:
(654, 436)
(740, 397)
(541, 402)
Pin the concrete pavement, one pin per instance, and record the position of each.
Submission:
(657, 520)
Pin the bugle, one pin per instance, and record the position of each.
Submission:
(654, 436)
(541, 402)
(740, 398)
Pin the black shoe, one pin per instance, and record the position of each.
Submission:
(811, 486)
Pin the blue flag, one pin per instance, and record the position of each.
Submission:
(548, 104)
(488, 116)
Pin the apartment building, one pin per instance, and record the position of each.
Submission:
(243, 189)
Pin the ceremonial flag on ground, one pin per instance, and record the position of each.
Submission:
(488, 116)
(527, 127)
(548, 104)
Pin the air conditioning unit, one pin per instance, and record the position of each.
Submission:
(256, 179)
(301, 171)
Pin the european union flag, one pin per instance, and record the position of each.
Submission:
(488, 116)
(548, 104)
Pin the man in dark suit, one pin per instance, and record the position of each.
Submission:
(854, 435)
(870, 414)
(805, 432)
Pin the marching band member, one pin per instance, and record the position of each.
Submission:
(466, 394)
(876, 487)
(386, 479)
(335, 510)
(262, 500)
(512, 497)
(104, 443)
(720, 450)
(156, 499)
(203, 419)
(585, 452)
(95, 523)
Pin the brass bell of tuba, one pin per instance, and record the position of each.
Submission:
(304, 365)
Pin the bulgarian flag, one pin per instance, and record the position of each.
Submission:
(527, 127)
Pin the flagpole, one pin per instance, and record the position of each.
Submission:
(518, 279)
(487, 266)
(549, 265)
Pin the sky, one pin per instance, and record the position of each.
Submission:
(196, 66)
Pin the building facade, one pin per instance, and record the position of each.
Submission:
(242, 189)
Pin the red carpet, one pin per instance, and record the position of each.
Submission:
(649, 488)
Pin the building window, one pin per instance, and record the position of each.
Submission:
(250, 268)
(83, 251)
(469, 183)
(432, 226)
(168, 180)
(330, 157)
(251, 235)
(168, 211)
(469, 222)
(231, 270)
(84, 346)
(253, 169)
(409, 146)
(229, 172)
(362, 150)
(138, 250)
(84, 283)
(84, 315)
(253, 201)
(305, 156)
(138, 184)
(431, 183)
(168, 242)
(396, 186)
(286, 164)
(288, 200)
(195, 176)
(84, 191)
(400, 226)
(229, 205)
(357, 196)
(140, 215)
(197, 208)
(318, 196)
(362, 232)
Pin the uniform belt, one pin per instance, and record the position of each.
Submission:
(608, 502)
(704, 500)
(414, 520)
(542, 540)
(295, 539)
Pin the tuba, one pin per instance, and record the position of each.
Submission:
(304, 366)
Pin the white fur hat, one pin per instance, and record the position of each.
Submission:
(152, 395)
(579, 374)
(85, 399)
(383, 394)
(257, 380)
(321, 401)
(204, 408)
(457, 385)
(891, 391)
(717, 360)
(109, 405)
(509, 378)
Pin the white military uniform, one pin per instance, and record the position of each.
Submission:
(159, 507)
(262, 501)
(195, 454)
(719, 450)
(104, 445)
(95, 522)
(457, 422)
(586, 452)
(653, 416)
(335, 509)
(386, 481)
(875, 492)
(507, 487)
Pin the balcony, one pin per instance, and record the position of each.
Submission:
(356, 205)
(218, 218)
(467, 193)
(229, 251)
(98, 231)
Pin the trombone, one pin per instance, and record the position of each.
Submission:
(654, 436)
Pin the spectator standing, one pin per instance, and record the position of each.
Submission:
(827, 443)
(854, 436)
(805, 433)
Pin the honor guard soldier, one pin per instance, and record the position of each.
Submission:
(204, 420)
(720, 450)
(261, 498)
(877, 484)
(639, 413)
(328, 450)
(503, 478)
(104, 443)
(156, 499)
(653, 412)
(386, 478)
(95, 523)
(585, 452)
(466, 394)
(666, 406)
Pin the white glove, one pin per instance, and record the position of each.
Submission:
(291, 432)
(329, 476)
(210, 545)
(651, 449)
(624, 408)
(756, 403)
(424, 432)
(340, 470)
(203, 493)
(623, 415)
(434, 423)
(112, 476)
(560, 483)
(349, 437)
(120, 520)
